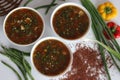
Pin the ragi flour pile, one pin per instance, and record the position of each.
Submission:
(87, 65)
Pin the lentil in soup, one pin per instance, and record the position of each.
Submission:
(51, 57)
(70, 22)
(24, 26)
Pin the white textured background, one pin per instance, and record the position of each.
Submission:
(7, 74)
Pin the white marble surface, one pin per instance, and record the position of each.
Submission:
(7, 74)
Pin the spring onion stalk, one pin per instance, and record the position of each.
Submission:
(101, 51)
(98, 37)
(17, 57)
(50, 6)
(22, 69)
(27, 2)
(98, 25)
(104, 61)
(6, 64)
(103, 25)
(115, 53)
(28, 70)
(98, 28)
(46, 6)
(107, 43)
(18, 51)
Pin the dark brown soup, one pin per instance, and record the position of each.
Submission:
(24, 26)
(70, 22)
(51, 57)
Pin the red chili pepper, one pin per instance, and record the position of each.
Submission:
(115, 29)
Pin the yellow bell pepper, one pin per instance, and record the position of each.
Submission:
(107, 10)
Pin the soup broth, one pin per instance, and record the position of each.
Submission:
(24, 26)
(70, 22)
(51, 57)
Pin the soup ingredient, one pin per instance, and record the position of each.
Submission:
(6, 64)
(45, 6)
(87, 65)
(23, 26)
(115, 53)
(18, 58)
(53, 1)
(70, 22)
(51, 57)
(18, 51)
(98, 25)
(108, 11)
(115, 29)
(48, 6)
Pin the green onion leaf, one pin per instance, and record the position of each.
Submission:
(6, 64)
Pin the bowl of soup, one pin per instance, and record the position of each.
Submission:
(51, 57)
(70, 21)
(23, 26)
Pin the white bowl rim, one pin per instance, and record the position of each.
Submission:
(18, 8)
(47, 38)
(67, 4)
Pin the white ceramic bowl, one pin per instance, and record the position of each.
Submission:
(14, 10)
(70, 4)
(51, 76)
